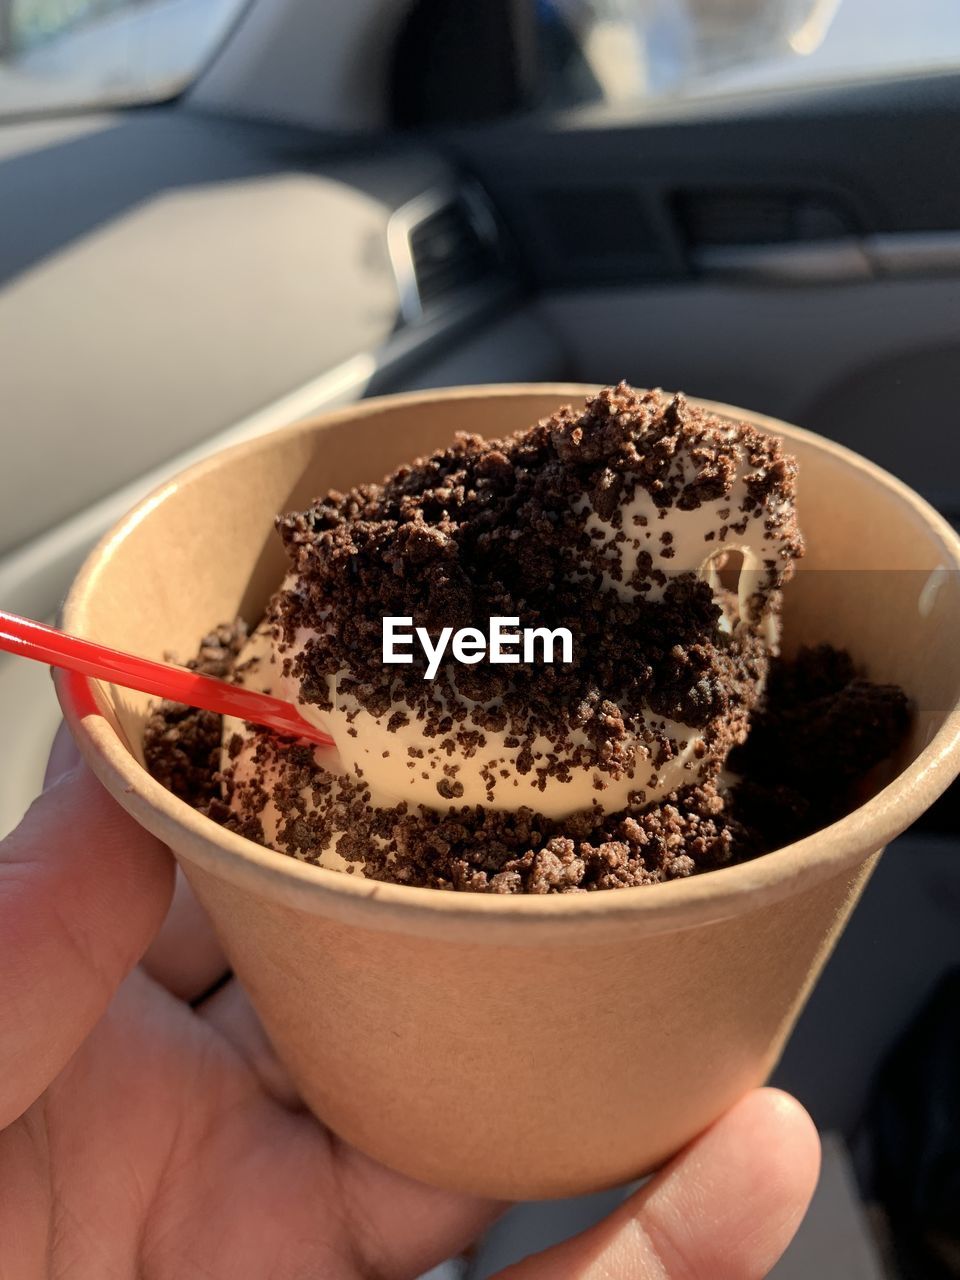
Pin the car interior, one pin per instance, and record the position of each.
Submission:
(215, 225)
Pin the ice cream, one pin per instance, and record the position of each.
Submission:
(641, 540)
(615, 520)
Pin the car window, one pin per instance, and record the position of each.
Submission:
(64, 54)
(625, 50)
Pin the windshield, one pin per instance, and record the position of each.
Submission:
(63, 54)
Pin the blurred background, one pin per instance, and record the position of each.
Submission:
(219, 216)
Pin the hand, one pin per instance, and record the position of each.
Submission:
(142, 1138)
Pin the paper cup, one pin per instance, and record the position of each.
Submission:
(518, 1046)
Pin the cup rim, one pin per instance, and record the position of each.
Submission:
(700, 899)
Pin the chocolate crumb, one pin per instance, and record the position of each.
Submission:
(819, 730)
(499, 528)
(539, 527)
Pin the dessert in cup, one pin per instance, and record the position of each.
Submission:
(530, 865)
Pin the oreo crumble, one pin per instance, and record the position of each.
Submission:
(181, 744)
(818, 732)
(489, 528)
(498, 528)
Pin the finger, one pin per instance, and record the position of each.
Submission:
(400, 1227)
(230, 1012)
(185, 956)
(82, 891)
(395, 1226)
(63, 757)
(724, 1209)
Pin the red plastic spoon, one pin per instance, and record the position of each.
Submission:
(56, 648)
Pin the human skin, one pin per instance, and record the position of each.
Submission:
(149, 1134)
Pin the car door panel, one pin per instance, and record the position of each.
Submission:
(796, 253)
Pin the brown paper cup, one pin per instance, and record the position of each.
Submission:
(518, 1046)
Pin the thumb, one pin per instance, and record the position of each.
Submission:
(82, 891)
(725, 1209)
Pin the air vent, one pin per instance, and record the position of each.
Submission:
(441, 245)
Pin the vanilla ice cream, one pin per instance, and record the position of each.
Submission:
(637, 516)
